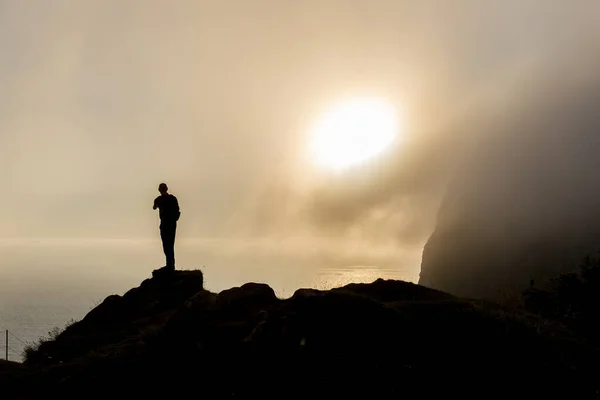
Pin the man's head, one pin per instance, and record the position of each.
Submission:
(162, 188)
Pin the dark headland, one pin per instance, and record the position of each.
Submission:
(387, 339)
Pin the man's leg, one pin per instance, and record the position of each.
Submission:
(164, 236)
(172, 248)
(168, 236)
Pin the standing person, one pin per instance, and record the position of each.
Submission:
(169, 213)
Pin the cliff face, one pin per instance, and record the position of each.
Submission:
(487, 261)
(525, 204)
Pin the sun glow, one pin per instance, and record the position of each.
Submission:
(354, 132)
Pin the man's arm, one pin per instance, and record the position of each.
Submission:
(155, 206)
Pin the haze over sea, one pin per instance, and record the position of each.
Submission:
(46, 283)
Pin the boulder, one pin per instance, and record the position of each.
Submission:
(249, 294)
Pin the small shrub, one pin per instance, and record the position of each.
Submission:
(31, 350)
(573, 298)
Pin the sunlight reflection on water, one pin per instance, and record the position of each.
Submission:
(336, 277)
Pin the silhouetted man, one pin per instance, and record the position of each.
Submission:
(169, 215)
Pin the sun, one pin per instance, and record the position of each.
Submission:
(353, 132)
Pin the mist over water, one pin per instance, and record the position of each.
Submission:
(45, 284)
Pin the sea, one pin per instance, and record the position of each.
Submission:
(46, 284)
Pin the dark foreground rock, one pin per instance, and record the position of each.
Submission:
(386, 339)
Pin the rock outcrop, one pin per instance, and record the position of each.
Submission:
(122, 319)
(388, 338)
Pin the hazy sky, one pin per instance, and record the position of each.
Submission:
(101, 100)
